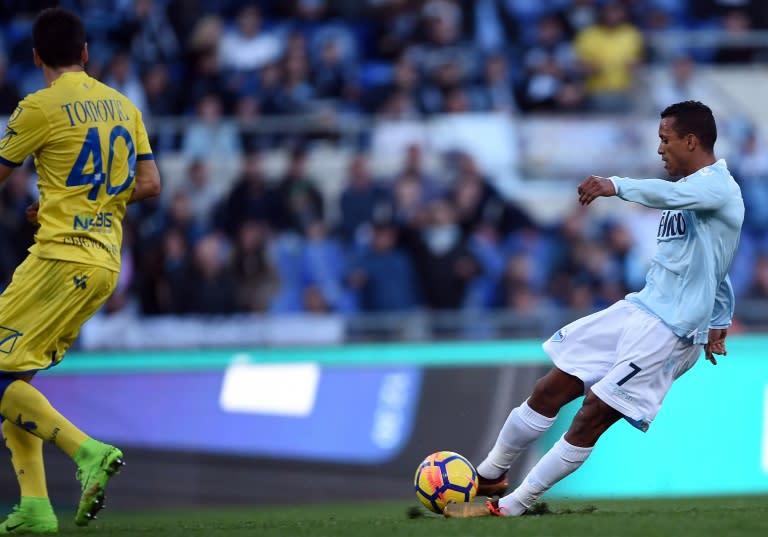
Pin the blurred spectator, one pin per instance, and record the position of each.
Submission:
(456, 101)
(382, 275)
(759, 285)
(476, 200)
(162, 101)
(121, 299)
(551, 69)
(333, 76)
(163, 275)
(298, 91)
(249, 198)
(570, 235)
(413, 164)
(706, 10)
(610, 51)
(256, 278)
(247, 113)
(360, 201)
(201, 193)
(206, 35)
(183, 15)
(16, 233)
(203, 74)
(210, 134)
(286, 250)
(751, 172)
(579, 15)
(248, 46)
(9, 95)
(161, 95)
(443, 43)
(296, 46)
(404, 86)
(296, 201)
(517, 292)
(447, 80)
(491, 23)
(208, 287)
(396, 23)
(323, 263)
(144, 29)
(736, 25)
(442, 258)
(121, 75)
(681, 83)
(495, 92)
(179, 216)
(273, 100)
(485, 244)
(409, 198)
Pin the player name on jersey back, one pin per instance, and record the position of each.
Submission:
(93, 111)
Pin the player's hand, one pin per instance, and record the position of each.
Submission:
(715, 344)
(594, 187)
(32, 212)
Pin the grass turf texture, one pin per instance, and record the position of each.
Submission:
(694, 517)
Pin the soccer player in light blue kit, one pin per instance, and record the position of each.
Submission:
(625, 358)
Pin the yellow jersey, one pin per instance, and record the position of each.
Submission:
(612, 52)
(86, 138)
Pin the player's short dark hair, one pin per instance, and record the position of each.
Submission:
(58, 36)
(693, 117)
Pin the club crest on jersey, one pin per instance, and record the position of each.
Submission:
(672, 225)
(558, 336)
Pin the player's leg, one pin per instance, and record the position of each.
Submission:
(34, 513)
(29, 410)
(46, 304)
(524, 425)
(582, 352)
(652, 357)
(565, 457)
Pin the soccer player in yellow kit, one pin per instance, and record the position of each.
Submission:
(93, 158)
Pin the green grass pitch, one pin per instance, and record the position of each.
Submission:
(689, 517)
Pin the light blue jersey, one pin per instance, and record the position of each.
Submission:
(687, 285)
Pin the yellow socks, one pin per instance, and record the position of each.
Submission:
(27, 459)
(27, 408)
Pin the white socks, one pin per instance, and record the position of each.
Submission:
(557, 463)
(523, 426)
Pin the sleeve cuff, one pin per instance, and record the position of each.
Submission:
(615, 184)
(10, 163)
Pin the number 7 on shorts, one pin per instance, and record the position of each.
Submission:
(635, 371)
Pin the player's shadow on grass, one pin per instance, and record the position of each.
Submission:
(537, 509)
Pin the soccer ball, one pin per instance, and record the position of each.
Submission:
(445, 477)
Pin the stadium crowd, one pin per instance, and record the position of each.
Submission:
(399, 243)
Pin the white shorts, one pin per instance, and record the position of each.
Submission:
(626, 356)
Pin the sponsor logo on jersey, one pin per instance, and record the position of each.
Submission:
(672, 225)
(101, 221)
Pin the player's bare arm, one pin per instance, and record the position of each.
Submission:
(147, 181)
(715, 344)
(5, 171)
(595, 187)
(31, 211)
